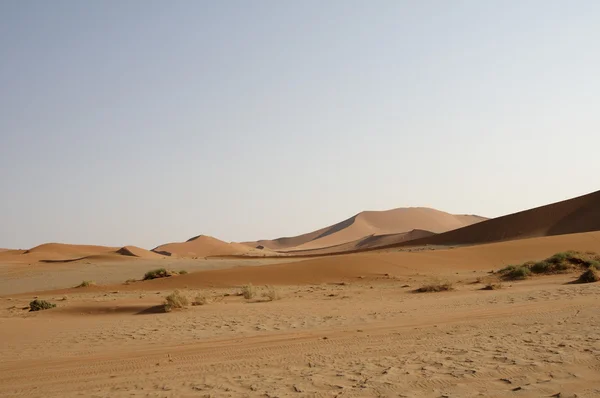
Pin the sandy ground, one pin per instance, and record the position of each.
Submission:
(19, 278)
(535, 338)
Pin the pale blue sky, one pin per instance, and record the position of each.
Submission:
(142, 122)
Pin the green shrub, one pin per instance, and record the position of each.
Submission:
(175, 300)
(517, 273)
(589, 276)
(158, 273)
(39, 305)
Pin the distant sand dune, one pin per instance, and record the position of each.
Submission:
(377, 264)
(372, 223)
(581, 214)
(205, 246)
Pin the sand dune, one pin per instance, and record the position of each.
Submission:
(370, 242)
(368, 223)
(376, 264)
(134, 251)
(206, 246)
(581, 214)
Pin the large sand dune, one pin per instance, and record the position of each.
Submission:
(581, 214)
(206, 246)
(369, 223)
(378, 264)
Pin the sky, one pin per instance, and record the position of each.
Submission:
(145, 122)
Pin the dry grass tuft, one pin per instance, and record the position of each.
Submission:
(435, 287)
(175, 300)
(248, 291)
(271, 294)
(86, 284)
(200, 299)
(492, 286)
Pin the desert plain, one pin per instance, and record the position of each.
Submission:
(332, 313)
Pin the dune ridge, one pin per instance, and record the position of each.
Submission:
(577, 215)
(371, 223)
(205, 246)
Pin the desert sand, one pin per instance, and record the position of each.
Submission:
(370, 223)
(337, 325)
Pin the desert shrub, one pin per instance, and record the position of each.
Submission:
(248, 291)
(86, 284)
(39, 305)
(200, 299)
(158, 273)
(435, 287)
(130, 281)
(550, 267)
(271, 294)
(492, 286)
(175, 300)
(516, 273)
(589, 276)
(183, 272)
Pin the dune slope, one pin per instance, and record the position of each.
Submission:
(580, 214)
(203, 246)
(372, 223)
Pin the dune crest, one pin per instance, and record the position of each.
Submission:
(205, 246)
(372, 223)
(577, 215)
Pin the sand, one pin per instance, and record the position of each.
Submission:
(207, 246)
(345, 325)
(581, 214)
(371, 338)
(368, 223)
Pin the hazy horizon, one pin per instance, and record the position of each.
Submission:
(149, 122)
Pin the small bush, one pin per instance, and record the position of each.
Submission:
(248, 291)
(517, 273)
(183, 272)
(271, 294)
(86, 284)
(200, 299)
(549, 267)
(39, 305)
(175, 300)
(158, 273)
(435, 287)
(589, 276)
(492, 286)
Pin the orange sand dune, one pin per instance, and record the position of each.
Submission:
(368, 223)
(134, 251)
(205, 246)
(62, 253)
(370, 242)
(581, 214)
(347, 267)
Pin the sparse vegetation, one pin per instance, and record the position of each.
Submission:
(492, 286)
(183, 272)
(175, 300)
(40, 305)
(248, 291)
(435, 287)
(271, 294)
(86, 284)
(558, 263)
(200, 299)
(130, 281)
(158, 273)
(591, 275)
